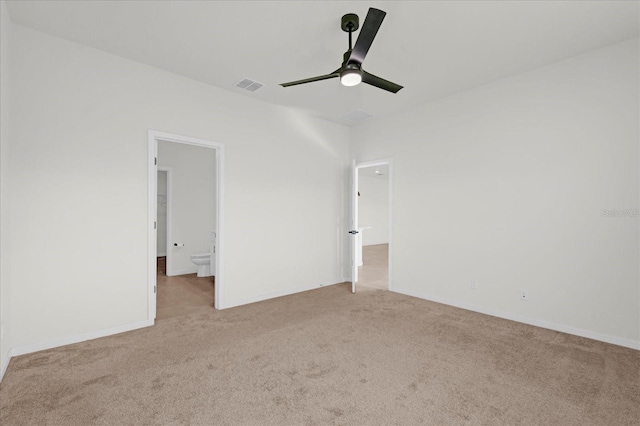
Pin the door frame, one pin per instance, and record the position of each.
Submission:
(354, 225)
(366, 164)
(169, 230)
(152, 190)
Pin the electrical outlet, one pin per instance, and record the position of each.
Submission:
(474, 284)
(524, 295)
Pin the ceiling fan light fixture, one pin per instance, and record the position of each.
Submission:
(351, 77)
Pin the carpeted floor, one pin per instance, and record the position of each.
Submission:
(327, 357)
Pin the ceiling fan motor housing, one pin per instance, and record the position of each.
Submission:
(345, 62)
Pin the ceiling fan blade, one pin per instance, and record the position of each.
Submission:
(380, 82)
(368, 32)
(312, 79)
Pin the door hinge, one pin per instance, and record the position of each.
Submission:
(155, 161)
(155, 225)
(154, 289)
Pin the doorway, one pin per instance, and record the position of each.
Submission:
(371, 221)
(179, 254)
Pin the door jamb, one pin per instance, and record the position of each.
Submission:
(169, 230)
(152, 190)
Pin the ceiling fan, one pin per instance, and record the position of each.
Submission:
(351, 72)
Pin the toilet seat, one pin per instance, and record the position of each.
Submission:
(200, 256)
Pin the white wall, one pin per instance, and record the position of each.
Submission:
(193, 207)
(506, 184)
(4, 189)
(161, 214)
(79, 154)
(373, 208)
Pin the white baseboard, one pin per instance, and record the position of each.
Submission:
(184, 271)
(161, 255)
(526, 320)
(68, 340)
(275, 294)
(5, 364)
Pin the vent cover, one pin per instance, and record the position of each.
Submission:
(249, 85)
(356, 116)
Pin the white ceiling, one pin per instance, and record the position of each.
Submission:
(434, 49)
(371, 171)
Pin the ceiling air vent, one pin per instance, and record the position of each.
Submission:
(249, 85)
(356, 116)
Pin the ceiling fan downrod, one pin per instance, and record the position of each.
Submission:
(350, 23)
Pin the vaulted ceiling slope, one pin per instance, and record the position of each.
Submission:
(433, 49)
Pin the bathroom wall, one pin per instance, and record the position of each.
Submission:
(5, 287)
(79, 159)
(194, 201)
(373, 208)
(508, 185)
(161, 210)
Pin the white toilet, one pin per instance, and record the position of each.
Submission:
(206, 262)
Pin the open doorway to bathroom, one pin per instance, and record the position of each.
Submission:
(185, 243)
(373, 238)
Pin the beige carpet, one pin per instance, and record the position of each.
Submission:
(327, 357)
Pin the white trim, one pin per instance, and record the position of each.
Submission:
(385, 162)
(190, 270)
(354, 225)
(169, 231)
(152, 206)
(5, 364)
(69, 340)
(280, 293)
(153, 138)
(526, 320)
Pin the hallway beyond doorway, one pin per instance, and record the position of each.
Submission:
(374, 272)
